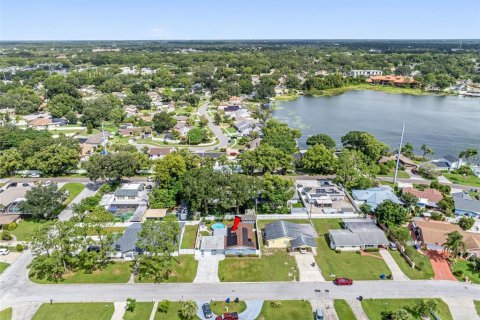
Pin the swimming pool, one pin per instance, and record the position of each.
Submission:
(217, 225)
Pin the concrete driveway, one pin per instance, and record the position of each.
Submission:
(462, 309)
(11, 257)
(89, 191)
(397, 273)
(308, 273)
(254, 307)
(207, 270)
(327, 307)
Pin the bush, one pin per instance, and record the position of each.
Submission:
(19, 247)
(458, 273)
(6, 235)
(338, 251)
(163, 306)
(131, 304)
(276, 304)
(12, 226)
(372, 250)
(4, 226)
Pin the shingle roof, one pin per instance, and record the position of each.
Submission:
(450, 158)
(375, 196)
(129, 239)
(467, 205)
(280, 229)
(303, 241)
(242, 237)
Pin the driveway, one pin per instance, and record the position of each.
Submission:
(357, 309)
(307, 267)
(254, 307)
(207, 270)
(440, 265)
(89, 190)
(327, 307)
(462, 309)
(10, 258)
(397, 273)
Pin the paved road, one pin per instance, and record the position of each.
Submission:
(423, 181)
(15, 288)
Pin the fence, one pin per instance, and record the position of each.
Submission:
(307, 216)
(400, 248)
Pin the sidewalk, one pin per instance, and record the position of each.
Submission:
(397, 273)
(357, 309)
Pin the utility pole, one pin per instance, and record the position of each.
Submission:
(104, 141)
(398, 155)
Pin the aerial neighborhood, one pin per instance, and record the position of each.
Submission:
(138, 169)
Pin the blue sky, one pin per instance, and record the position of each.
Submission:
(245, 19)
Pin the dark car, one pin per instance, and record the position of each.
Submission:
(12, 184)
(25, 184)
(343, 281)
(93, 248)
(207, 312)
(228, 316)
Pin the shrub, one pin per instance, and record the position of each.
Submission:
(12, 226)
(338, 251)
(4, 226)
(6, 235)
(19, 247)
(163, 306)
(458, 273)
(276, 304)
(372, 250)
(131, 304)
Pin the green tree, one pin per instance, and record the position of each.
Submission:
(10, 161)
(466, 223)
(426, 150)
(169, 169)
(61, 104)
(162, 198)
(43, 202)
(407, 150)
(425, 307)
(158, 241)
(280, 136)
(163, 121)
(409, 199)
(265, 159)
(469, 154)
(96, 223)
(401, 314)
(188, 310)
(319, 159)
(276, 191)
(55, 160)
(366, 143)
(321, 138)
(113, 166)
(390, 213)
(355, 170)
(455, 243)
(196, 136)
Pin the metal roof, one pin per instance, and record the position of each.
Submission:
(281, 229)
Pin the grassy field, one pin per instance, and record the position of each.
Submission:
(366, 86)
(459, 179)
(218, 307)
(119, 230)
(184, 271)
(401, 174)
(189, 237)
(286, 97)
(74, 189)
(142, 312)
(345, 264)
(374, 308)
(289, 310)
(425, 273)
(3, 266)
(172, 313)
(467, 271)
(274, 265)
(6, 314)
(343, 310)
(477, 306)
(25, 228)
(117, 272)
(75, 311)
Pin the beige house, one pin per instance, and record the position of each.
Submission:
(284, 234)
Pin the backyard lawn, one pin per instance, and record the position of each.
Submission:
(345, 264)
(343, 310)
(142, 312)
(117, 272)
(25, 228)
(172, 313)
(75, 311)
(374, 308)
(421, 261)
(466, 269)
(74, 189)
(467, 180)
(274, 265)
(184, 271)
(189, 237)
(6, 314)
(289, 309)
(218, 307)
(3, 266)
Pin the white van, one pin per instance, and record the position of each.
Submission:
(319, 314)
(4, 251)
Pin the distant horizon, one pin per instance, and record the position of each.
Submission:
(251, 39)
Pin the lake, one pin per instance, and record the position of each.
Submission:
(447, 124)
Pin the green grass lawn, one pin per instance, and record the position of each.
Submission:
(189, 237)
(289, 310)
(117, 272)
(374, 308)
(467, 271)
(401, 174)
(74, 189)
(3, 266)
(343, 310)
(25, 228)
(459, 179)
(477, 306)
(218, 307)
(6, 314)
(75, 311)
(344, 264)
(426, 271)
(119, 230)
(184, 271)
(142, 311)
(274, 265)
(172, 313)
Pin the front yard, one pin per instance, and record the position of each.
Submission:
(142, 311)
(218, 307)
(183, 271)
(464, 268)
(6, 314)
(477, 306)
(189, 237)
(423, 268)
(75, 311)
(74, 189)
(343, 310)
(172, 313)
(116, 272)
(274, 265)
(375, 307)
(3, 266)
(345, 264)
(464, 180)
(288, 309)
(25, 228)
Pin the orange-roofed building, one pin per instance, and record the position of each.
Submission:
(426, 198)
(399, 81)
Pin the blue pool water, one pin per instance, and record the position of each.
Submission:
(218, 225)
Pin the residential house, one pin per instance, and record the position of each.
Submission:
(158, 153)
(284, 234)
(95, 140)
(375, 196)
(130, 191)
(126, 247)
(398, 81)
(243, 126)
(426, 198)
(404, 161)
(254, 144)
(131, 110)
(85, 151)
(433, 235)
(466, 206)
(241, 241)
(130, 201)
(40, 123)
(357, 234)
(448, 162)
(235, 100)
(182, 128)
(322, 196)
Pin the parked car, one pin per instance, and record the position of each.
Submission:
(319, 314)
(207, 312)
(343, 281)
(33, 175)
(149, 179)
(25, 184)
(228, 316)
(4, 251)
(47, 183)
(392, 246)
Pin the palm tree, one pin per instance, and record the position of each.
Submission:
(455, 243)
(188, 310)
(426, 150)
(469, 154)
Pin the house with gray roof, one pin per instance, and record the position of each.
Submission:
(357, 234)
(125, 246)
(448, 162)
(284, 234)
(375, 196)
(467, 207)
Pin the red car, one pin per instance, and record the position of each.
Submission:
(228, 316)
(343, 281)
